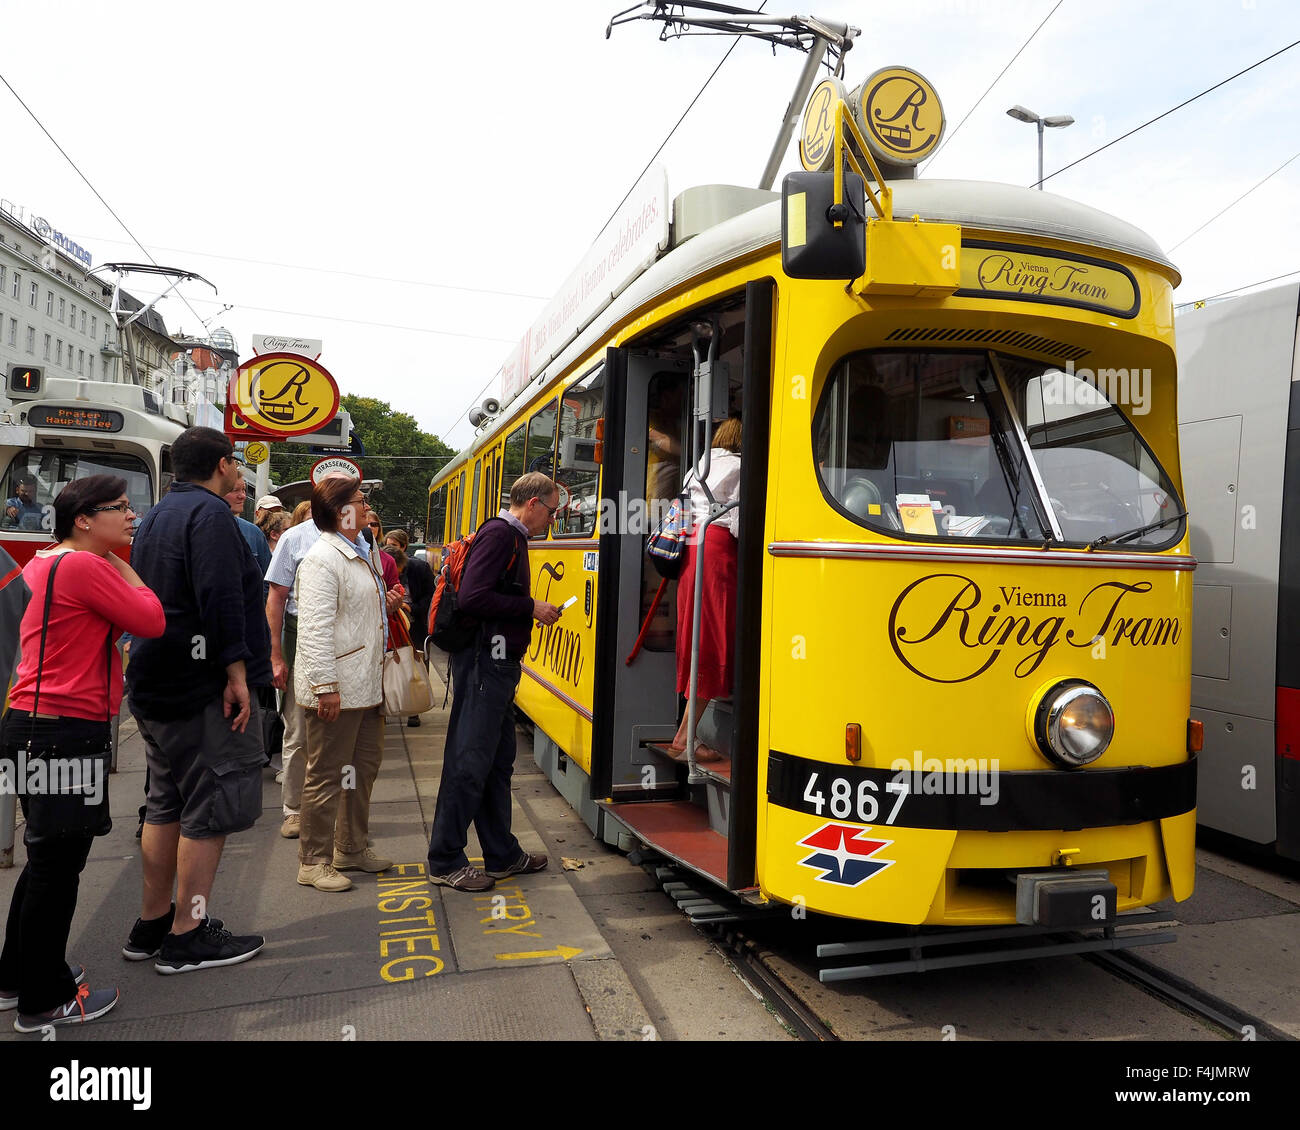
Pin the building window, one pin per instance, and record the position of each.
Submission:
(58, 354)
(62, 303)
(81, 361)
(47, 347)
(90, 367)
(93, 329)
(13, 331)
(18, 282)
(31, 339)
(33, 295)
(49, 303)
(2, 274)
(83, 319)
(72, 315)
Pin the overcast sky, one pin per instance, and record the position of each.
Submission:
(339, 171)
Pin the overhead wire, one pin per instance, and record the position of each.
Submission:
(355, 321)
(991, 85)
(337, 271)
(1166, 114)
(1233, 290)
(32, 114)
(1239, 199)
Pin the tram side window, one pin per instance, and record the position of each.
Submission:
(36, 477)
(513, 465)
(476, 478)
(437, 526)
(577, 471)
(540, 451)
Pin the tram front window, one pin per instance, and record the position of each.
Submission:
(40, 474)
(925, 444)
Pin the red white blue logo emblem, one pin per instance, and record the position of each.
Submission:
(843, 853)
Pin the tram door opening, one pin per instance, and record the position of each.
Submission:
(636, 703)
(651, 409)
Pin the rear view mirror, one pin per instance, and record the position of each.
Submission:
(812, 247)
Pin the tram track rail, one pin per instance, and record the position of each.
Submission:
(737, 931)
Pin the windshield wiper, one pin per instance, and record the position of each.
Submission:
(1131, 534)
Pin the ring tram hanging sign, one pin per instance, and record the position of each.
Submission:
(280, 395)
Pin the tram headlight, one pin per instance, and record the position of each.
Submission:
(1073, 724)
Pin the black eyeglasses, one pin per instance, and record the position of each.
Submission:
(120, 507)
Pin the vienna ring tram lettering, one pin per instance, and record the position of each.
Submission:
(940, 609)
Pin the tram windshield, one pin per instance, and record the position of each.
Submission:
(986, 446)
(36, 476)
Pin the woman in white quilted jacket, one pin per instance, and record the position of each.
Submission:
(338, 680)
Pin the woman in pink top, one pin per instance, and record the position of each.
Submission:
(96, 596)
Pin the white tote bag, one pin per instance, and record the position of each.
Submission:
(407, 689)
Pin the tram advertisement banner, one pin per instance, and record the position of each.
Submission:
(1005, 270)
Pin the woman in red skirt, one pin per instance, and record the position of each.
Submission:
(718, 586)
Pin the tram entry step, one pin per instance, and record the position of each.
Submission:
(1068, 901)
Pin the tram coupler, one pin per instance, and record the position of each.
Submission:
(1071, 901)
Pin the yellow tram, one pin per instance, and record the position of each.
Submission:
(963, 614)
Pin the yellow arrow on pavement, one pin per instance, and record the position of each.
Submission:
(564, 953)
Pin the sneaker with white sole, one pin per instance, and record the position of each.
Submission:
(528, 863)
(291, 826)
(366, 861)
(88, 1004)
(466, 878)
(9, 997)
(323, 877)
(147, 936)
(204, 948)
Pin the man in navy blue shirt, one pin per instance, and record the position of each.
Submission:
(191, 696)
(479, 755)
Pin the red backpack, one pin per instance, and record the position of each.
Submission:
(449, 627)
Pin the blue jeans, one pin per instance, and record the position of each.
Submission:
(477, 764)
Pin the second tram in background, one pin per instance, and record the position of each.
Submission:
(57, 429)
(1239, 420)
(963, 634)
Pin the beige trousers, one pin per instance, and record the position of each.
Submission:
(343, 760)
(294, 757)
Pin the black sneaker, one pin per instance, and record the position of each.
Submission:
(204, 948)
(147, 937)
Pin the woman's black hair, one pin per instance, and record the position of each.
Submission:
(80, 496)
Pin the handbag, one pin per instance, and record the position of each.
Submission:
(407, 690)
(666, 546)
(75, 768)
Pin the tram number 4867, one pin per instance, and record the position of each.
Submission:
(844, 805)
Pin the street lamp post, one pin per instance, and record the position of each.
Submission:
(1055, 121)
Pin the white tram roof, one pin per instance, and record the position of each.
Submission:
(982, 205)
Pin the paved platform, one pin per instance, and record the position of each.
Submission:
(595, 952)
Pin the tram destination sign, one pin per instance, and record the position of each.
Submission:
(1030, 274)
(78, 419)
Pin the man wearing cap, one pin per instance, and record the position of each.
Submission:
(267, 504)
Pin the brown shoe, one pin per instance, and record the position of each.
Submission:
(289, 829)
(526, 864)
(466, 879)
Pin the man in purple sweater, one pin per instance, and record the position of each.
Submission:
(479, 757)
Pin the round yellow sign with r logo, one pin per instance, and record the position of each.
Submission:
(900, 115)
(284, 393)
(817, 138)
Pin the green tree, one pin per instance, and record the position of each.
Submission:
(404, 499)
